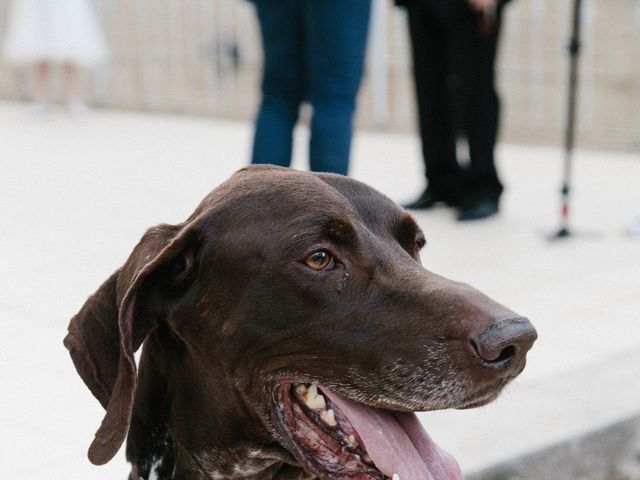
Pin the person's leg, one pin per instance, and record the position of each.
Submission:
(335, 61)
(474, 55)
(72, 89)
(70, 74)
(437, 132)
(41, 82)
(283, 40)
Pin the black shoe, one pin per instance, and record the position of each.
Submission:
(429, 199)
(482, 208)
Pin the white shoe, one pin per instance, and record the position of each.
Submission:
(633, 228)
(38, 110)
(77, 109)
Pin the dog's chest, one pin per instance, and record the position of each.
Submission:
(242, 464)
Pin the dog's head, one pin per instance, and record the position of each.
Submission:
(296, 303)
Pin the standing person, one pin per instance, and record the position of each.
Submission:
(43, 33)
(313, 51)
(454, 45)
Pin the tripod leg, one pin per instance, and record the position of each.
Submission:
(574, 54)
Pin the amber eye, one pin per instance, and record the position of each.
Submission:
(319, 260)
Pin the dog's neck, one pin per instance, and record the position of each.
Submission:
(240, 463)
(185, 425)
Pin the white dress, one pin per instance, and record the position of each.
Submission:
(56, 31)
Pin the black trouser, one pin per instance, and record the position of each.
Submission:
(455, 85)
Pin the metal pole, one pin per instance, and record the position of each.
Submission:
(574, 54)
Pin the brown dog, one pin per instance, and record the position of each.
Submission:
(289, 331)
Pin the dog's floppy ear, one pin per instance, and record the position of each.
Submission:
(114, 322)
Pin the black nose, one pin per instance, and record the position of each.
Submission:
(505, 342)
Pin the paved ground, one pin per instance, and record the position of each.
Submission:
(75, 196)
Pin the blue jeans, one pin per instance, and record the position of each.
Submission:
(313, 51)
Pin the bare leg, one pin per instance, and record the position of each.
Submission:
(70, 73)
(41, 74)
(72, 90)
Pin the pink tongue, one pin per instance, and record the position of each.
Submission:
(397, 443)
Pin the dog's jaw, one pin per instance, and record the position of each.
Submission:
(338, 438)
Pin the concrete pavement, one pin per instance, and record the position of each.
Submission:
(76, 195)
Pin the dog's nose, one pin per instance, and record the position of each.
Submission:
(504, 342)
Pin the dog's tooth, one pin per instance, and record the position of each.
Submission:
(329, 418)
(312, 391)
(301, 389)
(395, 477)
(351, 441)
(313, 400)
(317, 403)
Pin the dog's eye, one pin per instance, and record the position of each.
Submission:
(319, 260)
(420, 240)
